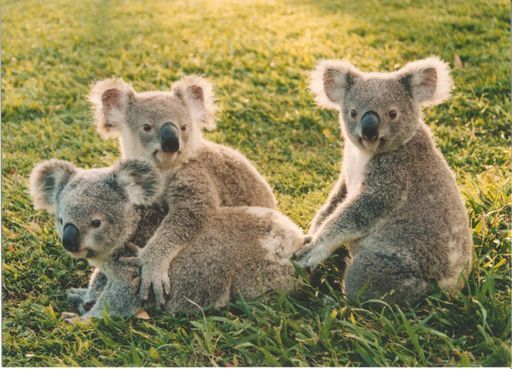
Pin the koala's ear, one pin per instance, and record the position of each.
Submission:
(197, 94)
(331, 80)
(427, 80)
(110, 99)
(139, 179)
(47, 180)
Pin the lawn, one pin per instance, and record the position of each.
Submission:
(258, 55)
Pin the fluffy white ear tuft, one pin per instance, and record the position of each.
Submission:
(331, 80)
(139, 179)
(110, 99)
(428, 80)
(197, 94)
(47, 180)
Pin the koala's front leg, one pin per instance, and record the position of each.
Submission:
(357, 216)
(335, 198)
(191, 200)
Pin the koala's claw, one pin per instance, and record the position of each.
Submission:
(87, 305)
(130, 260)
(133, 247)
(136, 283)
(308, 247)
(70, 317)
(73, 318)
(306, 262)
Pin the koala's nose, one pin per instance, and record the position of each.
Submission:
(370, 125)
(169, 138)
(71, 238)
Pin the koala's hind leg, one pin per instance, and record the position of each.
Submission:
(380, 275)
(85, 298)
(258, 278)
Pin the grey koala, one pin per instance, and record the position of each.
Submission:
(165, 128)
(241, 251)
(396, 202)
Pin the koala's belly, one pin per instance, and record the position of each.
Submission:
(354, 167)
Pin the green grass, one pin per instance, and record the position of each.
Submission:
(258, 55)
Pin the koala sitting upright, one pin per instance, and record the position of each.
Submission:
(165, 128)
(396, 202)
(242, 250)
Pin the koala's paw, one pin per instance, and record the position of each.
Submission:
(156, 276)
(310, 256)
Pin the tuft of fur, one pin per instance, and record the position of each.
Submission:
(110, 99)
(429, 80)
(47, 180)
(197, 94)
(139, 179)
(330, 80)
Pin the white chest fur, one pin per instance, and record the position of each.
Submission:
(354, 167)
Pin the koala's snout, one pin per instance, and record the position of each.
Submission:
(370, 126)
(169, 138)
(71, 238)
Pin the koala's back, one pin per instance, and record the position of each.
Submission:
(430, 228)
(237, 181)
(243, 251)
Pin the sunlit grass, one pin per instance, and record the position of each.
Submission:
(258, 55)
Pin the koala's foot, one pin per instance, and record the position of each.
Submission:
(76, 295)
(378, 275)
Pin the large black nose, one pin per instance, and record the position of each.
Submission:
(370, 125)
(71, 238)
(169, 138)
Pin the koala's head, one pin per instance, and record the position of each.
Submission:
(379, 112)
(96, 210)
(161, 126)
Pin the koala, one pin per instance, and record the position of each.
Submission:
(102, 214)
(164, 127)
(396, 202)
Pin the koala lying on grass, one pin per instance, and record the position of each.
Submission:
(165, 127)
(242, 251)
(396, 202)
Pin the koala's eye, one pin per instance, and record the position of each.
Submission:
(146, 127)
(95, 223)
(60, 221)
(183, 128)
(353, 113)
(393, 114)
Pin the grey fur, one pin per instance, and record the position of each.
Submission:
(396, 203)
(240, 250)
(202, 176)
